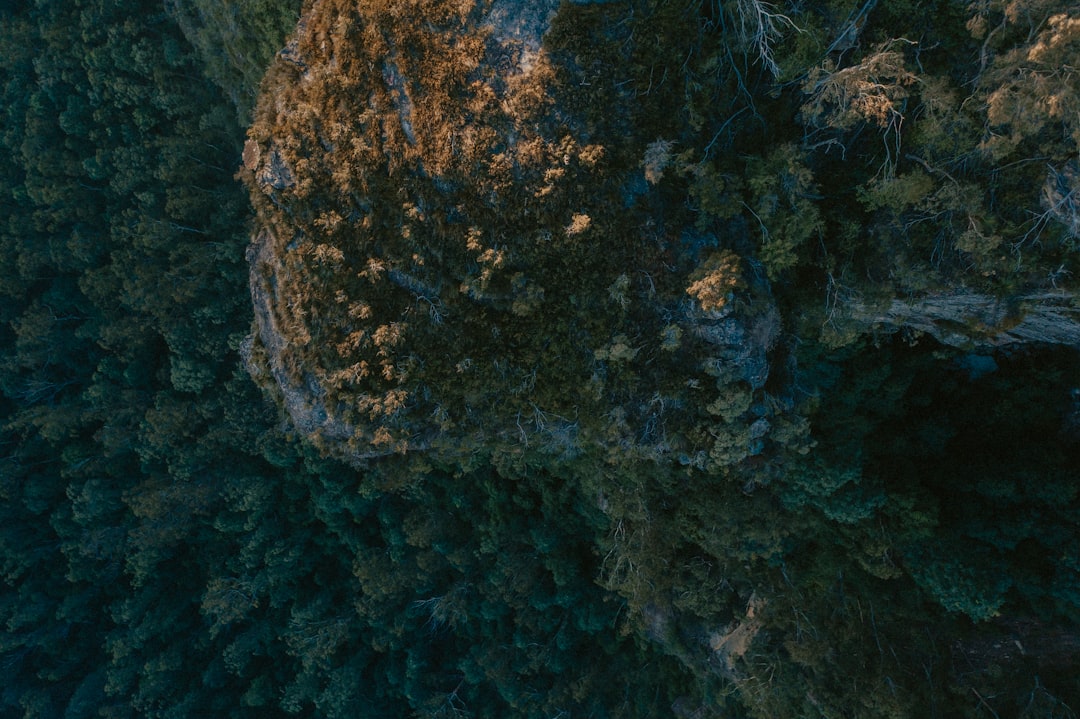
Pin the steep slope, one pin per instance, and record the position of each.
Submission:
(462, 245)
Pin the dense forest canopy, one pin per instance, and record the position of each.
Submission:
(634, 358)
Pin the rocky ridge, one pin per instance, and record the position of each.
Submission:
(527, 159)
(968, 320)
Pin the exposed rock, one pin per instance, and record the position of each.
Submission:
(742, 346)
(518, 29)
(734, 642)
(301, 396)
(274, 172)
(968, 320)
(250, 157)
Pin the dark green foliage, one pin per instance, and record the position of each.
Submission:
(234, 41)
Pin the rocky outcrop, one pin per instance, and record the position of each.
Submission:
(447, 259)
(267, 351)
(734, 641)
(282, 353)
(967, 320)
(741, 346)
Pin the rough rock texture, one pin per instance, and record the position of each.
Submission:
(967, 320)
(518, 28)
(741, 345)
(303, 397)
(731, 644)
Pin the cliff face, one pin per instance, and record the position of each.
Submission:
(967, 320)
(462, 246)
